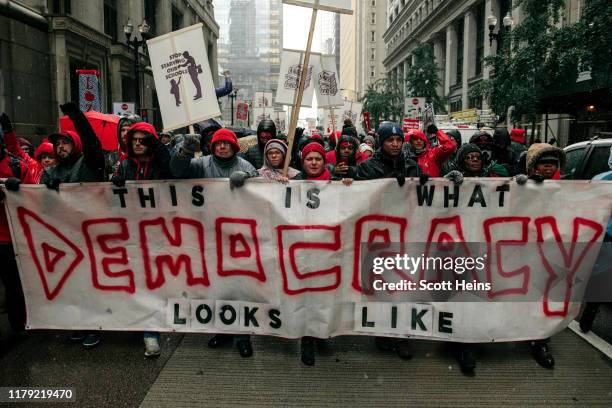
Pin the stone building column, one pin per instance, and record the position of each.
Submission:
(469, 55)
(451, 60)
(440, 62)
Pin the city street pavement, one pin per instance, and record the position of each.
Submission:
(349, 371)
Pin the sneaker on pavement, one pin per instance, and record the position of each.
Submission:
(91, 340)
(152, 348)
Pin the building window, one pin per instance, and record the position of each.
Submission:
(455, 106)
(459, 31)
(373, 3)
(176, 19)
(373, 54)
(372, 72)
(110, 19)
(150, 11)
(373, 36)
(475, 102)
(373, 20)
(480, 38)
(60, 6)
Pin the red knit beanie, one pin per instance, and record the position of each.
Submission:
(226, 135)
(313, 147)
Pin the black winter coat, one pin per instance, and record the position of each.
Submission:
(158, 168)
(254, 156)
(382, 166)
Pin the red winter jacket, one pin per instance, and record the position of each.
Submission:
(6, 171)
(433, 158)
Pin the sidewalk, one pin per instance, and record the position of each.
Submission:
(352, 372)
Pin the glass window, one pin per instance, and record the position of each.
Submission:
(459, 31)
(598, 162)
(573, 158)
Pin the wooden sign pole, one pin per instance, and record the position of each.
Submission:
(296, 108)
(333, 121)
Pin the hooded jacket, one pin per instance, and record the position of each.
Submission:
(332, 158)
(11, 166)
(255, 154)
(432, 158)
(86, 163)
(158, 165)
(268, 172)
(538, 150)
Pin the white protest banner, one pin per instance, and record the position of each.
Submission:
(263, 100)
(414, 108)
(185, 88)
(289, 78)
(337, 6)
(287, 260)
(328, 82)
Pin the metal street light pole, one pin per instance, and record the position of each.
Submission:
(135, 43)
(232, 96)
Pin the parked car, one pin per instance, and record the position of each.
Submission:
(587, 159)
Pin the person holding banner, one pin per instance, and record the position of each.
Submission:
(389, 161)
(80, 159)
(15, 171)
(221, 163)
(148, 159)
(274, 158)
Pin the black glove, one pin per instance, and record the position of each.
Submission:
(455, 176)
(5, 121)
(237, 178)
(150, 141)
(12, 184)
(2, 195)
(423, 178)
(432, 129)
(538, 178)
(118, 180)
(191, 143)
(53, 184)
(70, 108)
(521, 179)
(401, 180)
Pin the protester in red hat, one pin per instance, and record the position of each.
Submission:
(220, 164)
(430, 159)
(15, 171)
(342, 161)
(44, 158)
(314, 168)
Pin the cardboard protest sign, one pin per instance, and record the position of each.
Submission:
(260, 114)
(327, 119)
(337, 6)
(414, 108)
(89, 90)
(280, 120)
(327, 82)
(352, 111)
(263, 100)
(185, 88)
(289, 78)
(289, 260)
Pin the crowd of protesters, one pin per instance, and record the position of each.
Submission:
(215, 152)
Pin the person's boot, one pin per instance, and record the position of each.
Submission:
(466, 360)
(588, 317)
(219, 340)
(403, 348)
(308, 351)
(91, 340)
(245, 348)
(541, 354)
